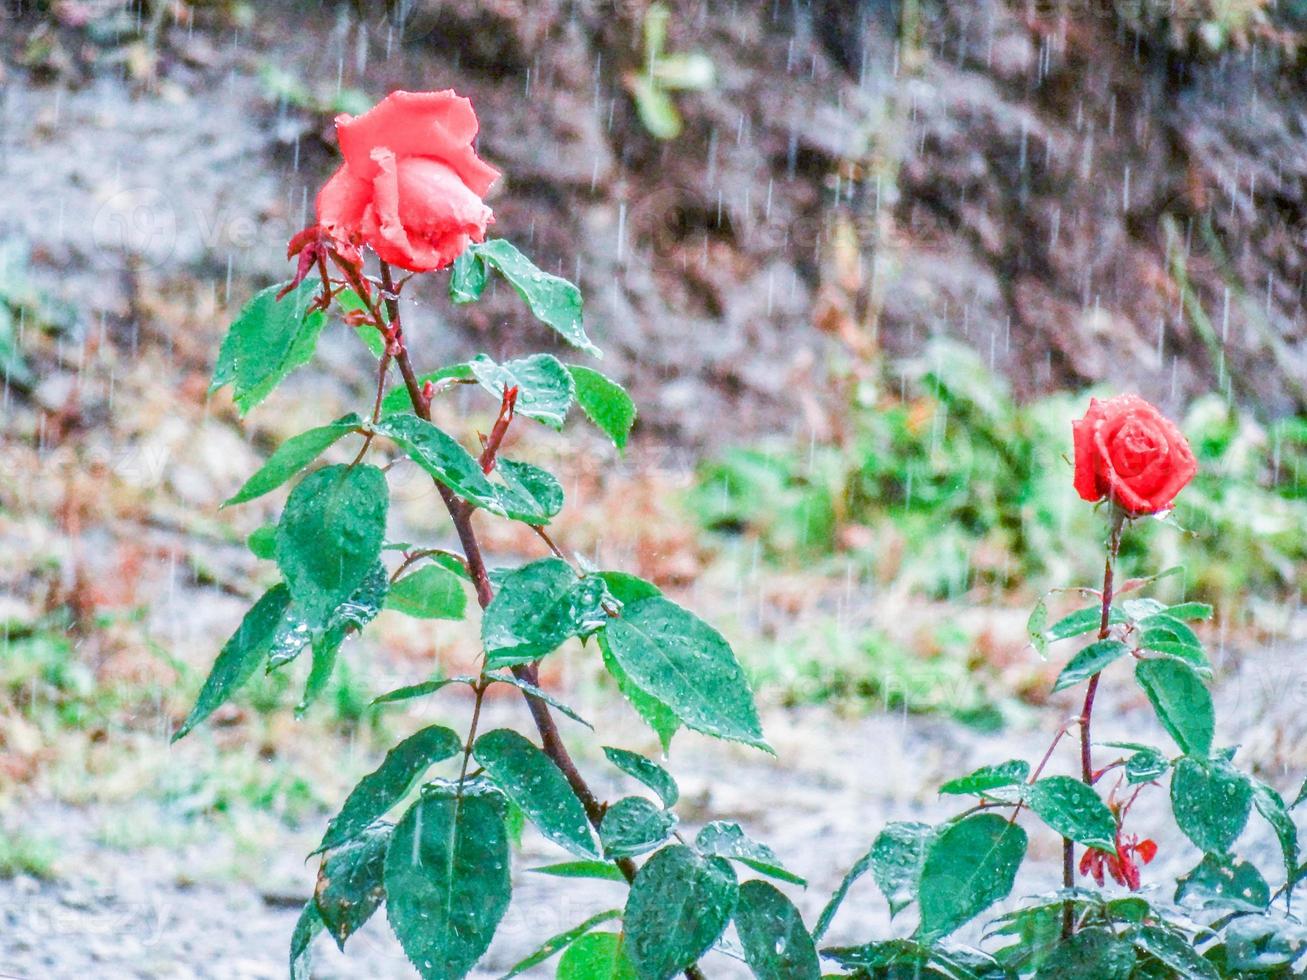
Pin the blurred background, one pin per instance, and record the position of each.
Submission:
(860, 262)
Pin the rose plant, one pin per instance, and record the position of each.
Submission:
(427, 833)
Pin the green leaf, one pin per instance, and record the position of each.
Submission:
(1182, 702)
(262, 542)
(604, 402)
(419, 690)
(397, 399)
(1088, 662)
(634, 825)
(530, 779)
(1271, 806)
(776, 944)
(553, 300)
(447, 880)
(1162, 622)
(1093, 953)
(646, 771)
(655, 107)
(1010, 773)
(656, 715)
(390, 782)
(677, 658)
(527, 492)
(552, 946)
(1211, 801)
(1190, 610)
(292, 456)
(1224, 882)
(597, 956)
(692, 71)
(431, 592)
(544, 386)
(897, 858)
(467, 278)
(726, 838)
(240, 656)
(1145, 766)
(537, 607)
(969, 866)
(350, 302)
(543, 695)
(679, 905)
(269, 340)
(1260, 943)
(1074, 810)
(307, 926)
(600, 870)
(627, 588)
(326, 649)
(1174, 951)
(1080, 622)
(329, 537)
(828, 913)
(350, 886)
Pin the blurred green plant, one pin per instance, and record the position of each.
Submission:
(285, 88)
(1209, 26)
(25, 853)
(24, 309)
(950, 485)
(664, 74)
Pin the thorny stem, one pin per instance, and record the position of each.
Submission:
(1087, 712)
(461, 515)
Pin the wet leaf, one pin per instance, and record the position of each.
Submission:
(1211, 801)
(1271, 806)
(240, 657)
(776, 944)
(431, 592)
(553, 945)
(262, 542)
(292, 456)
(1074, 810)
(537, 607)
(1088, 662)
(1175, 951)
(678, 659)
(969, 866)
(350, 886)
(600, 870)
(1182, 702)
(397, 400)
(447, 881)
(390, 782)
(597, 956)
(1093, 953)
(656, 715)
(679, 905)
(634, 825)
(1010, 773)
(726, 838)
(543, 695)
(646, 771)
(897, 858)
(530, 779)
(329, 537)
(307, 926)
(1224, 882)
(1145, 766)
(544, 386)
(420, 690)
(605, 403)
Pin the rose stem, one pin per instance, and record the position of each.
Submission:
(1117, 522)
(461, 514)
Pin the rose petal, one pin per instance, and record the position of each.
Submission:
(341, 203)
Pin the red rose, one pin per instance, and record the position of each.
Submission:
(411, 184)
(1127, 451)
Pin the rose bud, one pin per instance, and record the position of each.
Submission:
(1128, 452)
(411, 184)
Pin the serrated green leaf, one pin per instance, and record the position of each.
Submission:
(330, 535)
(656, 715)
(544, 386)
(554, 301)
(677, 658)
(419, 690)
(776, 944)
(530, 779)
(527, 493)
(1271, 806)
(599, 870)
(1182, 702)
(1009, 773)
(297, 633)
(269, 339)
(539, 606)
(646, 771)
(597, 956)
(447, 881)
(292, 456)
(896, 861)
(1095, 953)
(350, 886)
(604, 402)
(1074, 810)
(1088, 662)
(1211, 801)
(555, 944)
(679, 905)
(726, 838)
(390, 782)
(431, 592)
(1224, 882)
(970, 865)
(240, 656)
(634, 825)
